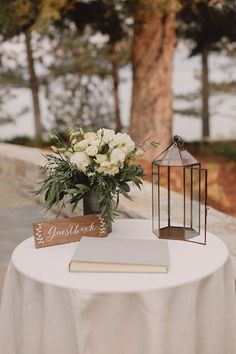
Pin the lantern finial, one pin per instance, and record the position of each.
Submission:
(178, 141)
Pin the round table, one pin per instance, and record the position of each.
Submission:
(190, 310)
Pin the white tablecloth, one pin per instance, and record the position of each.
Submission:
(191, 310)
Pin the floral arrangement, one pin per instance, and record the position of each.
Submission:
(101, 161)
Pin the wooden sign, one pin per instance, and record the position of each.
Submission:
(56, 232)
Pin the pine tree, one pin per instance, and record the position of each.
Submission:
(205, 26)
(152, 59)
(79, 81)
(16, 17)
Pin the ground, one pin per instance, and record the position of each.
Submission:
(221, 181)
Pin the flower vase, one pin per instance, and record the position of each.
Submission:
(91, 206)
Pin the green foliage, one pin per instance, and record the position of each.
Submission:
(190, 97)
(6, 95)
(27, 141)
(5, 117)
(191, 105)
(189, 112)
(206, 24)
(226, 149)
(79, 87)
(17, 16)
(223, 87)
(108, 188)
(78, 82)
(62, 178)
(80, 101)
(103, 16)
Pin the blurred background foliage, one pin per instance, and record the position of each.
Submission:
(72, 52)
(69, 53)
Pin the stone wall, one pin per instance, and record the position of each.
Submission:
(20, 167)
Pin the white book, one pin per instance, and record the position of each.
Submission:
(120, 255)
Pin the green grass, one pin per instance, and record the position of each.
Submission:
(224, 148)
(26, 141)
(32, 142)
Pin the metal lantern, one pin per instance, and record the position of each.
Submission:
(179, 195)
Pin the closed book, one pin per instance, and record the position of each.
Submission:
(120, 255)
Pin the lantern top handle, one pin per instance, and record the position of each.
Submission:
(178, 141)
(176, 155)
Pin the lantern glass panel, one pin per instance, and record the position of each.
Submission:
(155, 198)
(203, 203)
(188, 197)
(176, 200)
(163, 193)
(195, 204)
(192, 201)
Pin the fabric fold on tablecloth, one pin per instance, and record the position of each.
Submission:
(195, 318)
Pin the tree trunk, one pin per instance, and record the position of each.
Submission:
(115, 76)
(205, 94)
(152, 58)
(34, 87)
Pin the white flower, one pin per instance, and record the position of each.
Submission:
(81, 160)
(101, 158)
(106, 135)
(117, 156)
(124, 142)
(95, 142)
(81, 145)
(107, 168)
(90, 136)
(92, 150)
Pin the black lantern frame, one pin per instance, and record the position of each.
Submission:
(179, 195)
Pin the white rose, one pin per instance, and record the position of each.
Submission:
(106, 135)
(107, 168)
(92, 150)
(90, 136)
(117, 155)
(81, 160)
(81, 145)
(95, 142)
(124, 142)
(101, 158)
